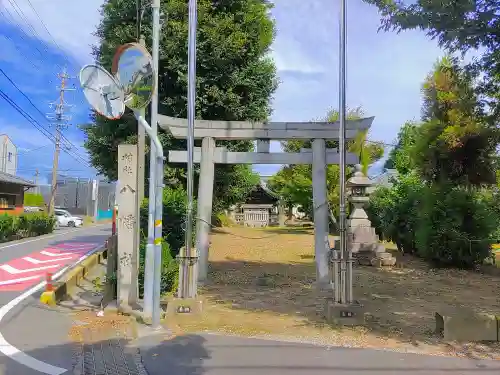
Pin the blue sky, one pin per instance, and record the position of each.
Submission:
(384, 70)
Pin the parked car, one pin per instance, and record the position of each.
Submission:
(65, 219)
(33, 209)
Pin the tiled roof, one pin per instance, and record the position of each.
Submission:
(386, 178)
(11, 179)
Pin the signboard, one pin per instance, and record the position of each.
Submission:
(347, 314)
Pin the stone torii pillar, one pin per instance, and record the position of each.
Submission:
(204, 211)
(320, 203)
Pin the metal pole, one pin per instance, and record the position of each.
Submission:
(191, 108)
(158, 164)
(150, 266)
(342, 149)
(155, 143)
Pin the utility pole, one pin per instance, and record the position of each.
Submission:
(35, 181)
(60, 121)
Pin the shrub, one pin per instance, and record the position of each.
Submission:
(394, 212)
(169, 273)
(455, 227)
(36, 223)
(221, 220)
(34, 200)
(25, 225)
(8, 227)
(174, 212)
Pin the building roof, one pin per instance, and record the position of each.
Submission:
(386, 178)
(263, 186)
(11, 179)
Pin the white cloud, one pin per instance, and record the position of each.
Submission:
(288, 57)
(18, 135)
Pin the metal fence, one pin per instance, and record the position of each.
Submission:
(76, 196)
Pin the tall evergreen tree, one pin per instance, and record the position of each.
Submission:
(235, 79)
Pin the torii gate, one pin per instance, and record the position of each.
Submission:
(208, 155)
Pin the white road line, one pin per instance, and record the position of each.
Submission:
(15, 271)
(20, 280)
(14, 353)
(36, 261)
(49, 254)
(52, 236)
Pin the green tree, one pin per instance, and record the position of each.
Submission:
(400, 157)
(294, 182)
(442, 207)
(455, 143)
(459, 26)
(235, 79)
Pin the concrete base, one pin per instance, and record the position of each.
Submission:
(48, 298)
(378, 259)
(344, 314)
(468, 326)
(133, 311)
(182, 306)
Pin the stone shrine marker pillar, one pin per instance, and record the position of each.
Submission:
(127, 272)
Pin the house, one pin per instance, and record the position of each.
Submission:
(260, 209)
(8, 155)
(12, 190)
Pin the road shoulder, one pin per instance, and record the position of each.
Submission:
(39, 332)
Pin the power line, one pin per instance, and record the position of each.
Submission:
(22, 37)
(35, 123)
(67, 141)
(21, 14)
(47, 30)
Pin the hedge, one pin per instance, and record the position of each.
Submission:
(447, 226)
(25, 225)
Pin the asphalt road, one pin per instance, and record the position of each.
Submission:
(32, 328)
(222, 355)
(12, 252)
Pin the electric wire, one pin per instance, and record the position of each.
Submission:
(38, 126)
(68, 143)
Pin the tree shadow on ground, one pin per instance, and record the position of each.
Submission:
(218, 355)
(400, 303)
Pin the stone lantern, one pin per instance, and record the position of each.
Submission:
(361, 237)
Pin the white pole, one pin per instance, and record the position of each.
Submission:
(155, 143)
(150, 266)
(156, 163)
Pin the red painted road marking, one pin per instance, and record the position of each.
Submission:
(57, 256)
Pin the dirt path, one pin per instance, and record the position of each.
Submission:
(261, 284)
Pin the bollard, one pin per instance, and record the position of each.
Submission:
(113, 222)
(49, 287)
(48, 297)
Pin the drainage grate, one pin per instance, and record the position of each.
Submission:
(109, 357)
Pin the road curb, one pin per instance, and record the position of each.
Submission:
(72, 276)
